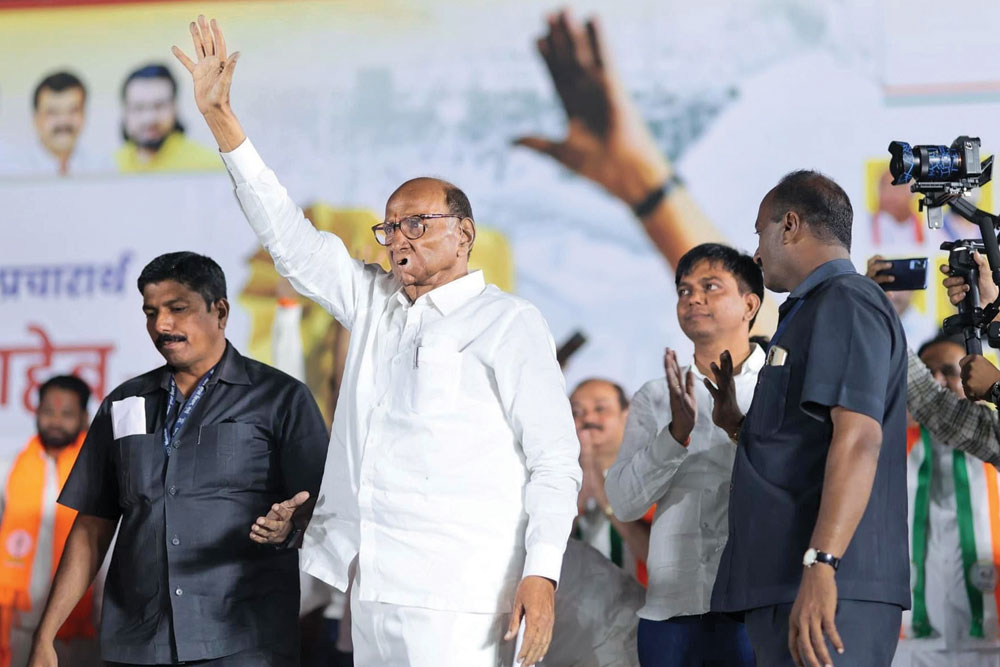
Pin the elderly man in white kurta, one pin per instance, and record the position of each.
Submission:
(452, 474)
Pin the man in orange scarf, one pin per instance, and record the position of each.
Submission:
(33, 528)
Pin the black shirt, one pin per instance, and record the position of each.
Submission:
(845, 347)
(186, 582)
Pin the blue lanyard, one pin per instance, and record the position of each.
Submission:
(169, 435)
(783, 324)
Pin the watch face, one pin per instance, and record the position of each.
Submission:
(809, 559)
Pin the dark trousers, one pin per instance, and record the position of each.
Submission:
(251, 658)
(709, 640)
(869, 630)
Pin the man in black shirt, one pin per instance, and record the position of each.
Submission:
(817, 554)
(188, 457)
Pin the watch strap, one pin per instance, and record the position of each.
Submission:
(818, 556)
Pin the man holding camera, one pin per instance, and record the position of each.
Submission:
(960, 423)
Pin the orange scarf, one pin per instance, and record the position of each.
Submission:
(19, 527)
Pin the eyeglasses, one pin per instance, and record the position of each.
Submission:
(413, 227)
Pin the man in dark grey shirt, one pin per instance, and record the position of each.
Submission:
(817, 554)
(188, 457)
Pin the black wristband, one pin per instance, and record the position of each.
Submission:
(995, 393)
(293, 541)
(653, 199)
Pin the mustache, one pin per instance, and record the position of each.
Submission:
(63, 129)
(163, 339)
(591, 427)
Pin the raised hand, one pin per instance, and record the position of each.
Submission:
(683, 404)
(726, 411)
(213, 77)
(213, 72)
(608, 141)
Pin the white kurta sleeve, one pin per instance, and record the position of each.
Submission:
(647, 461)
(533, 393)
(286, 342)
(317, 263)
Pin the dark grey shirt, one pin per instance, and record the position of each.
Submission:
(845, 348)
(186, 582)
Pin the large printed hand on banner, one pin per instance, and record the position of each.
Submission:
(213, 78)
(608, 141)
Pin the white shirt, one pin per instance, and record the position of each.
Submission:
(944, 591)
(453, 464)
(35, 160)
(690, 487)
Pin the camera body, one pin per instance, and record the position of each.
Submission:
(941, 173)
(936, 164)
(944, 175)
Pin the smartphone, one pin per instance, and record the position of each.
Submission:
(909, 274)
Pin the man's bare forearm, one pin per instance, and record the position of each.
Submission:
(226, 129)
(86, 547)
(847, 483)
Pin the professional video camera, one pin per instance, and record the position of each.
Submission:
(945, 175)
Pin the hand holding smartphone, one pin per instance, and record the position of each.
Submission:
(907, 274)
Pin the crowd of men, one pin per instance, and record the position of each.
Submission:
(809, 499)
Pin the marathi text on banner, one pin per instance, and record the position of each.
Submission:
(71, 280)
(88, 361)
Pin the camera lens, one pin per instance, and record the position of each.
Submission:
(941, 162)
(902, 163)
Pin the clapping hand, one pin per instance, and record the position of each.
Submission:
(683, 404)
(726, 411)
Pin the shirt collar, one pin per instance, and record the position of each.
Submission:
(449, 297)
(231, 369)
(753, 363)
(821, 274)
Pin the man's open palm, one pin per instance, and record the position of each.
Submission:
(213, 71)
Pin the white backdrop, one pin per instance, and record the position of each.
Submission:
(345, 100)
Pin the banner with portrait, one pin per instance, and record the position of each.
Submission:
(105, 162)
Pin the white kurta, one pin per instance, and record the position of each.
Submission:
(690, 487)
(453, 465)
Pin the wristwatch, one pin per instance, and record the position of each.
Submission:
(995, 393)
(812, 556)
